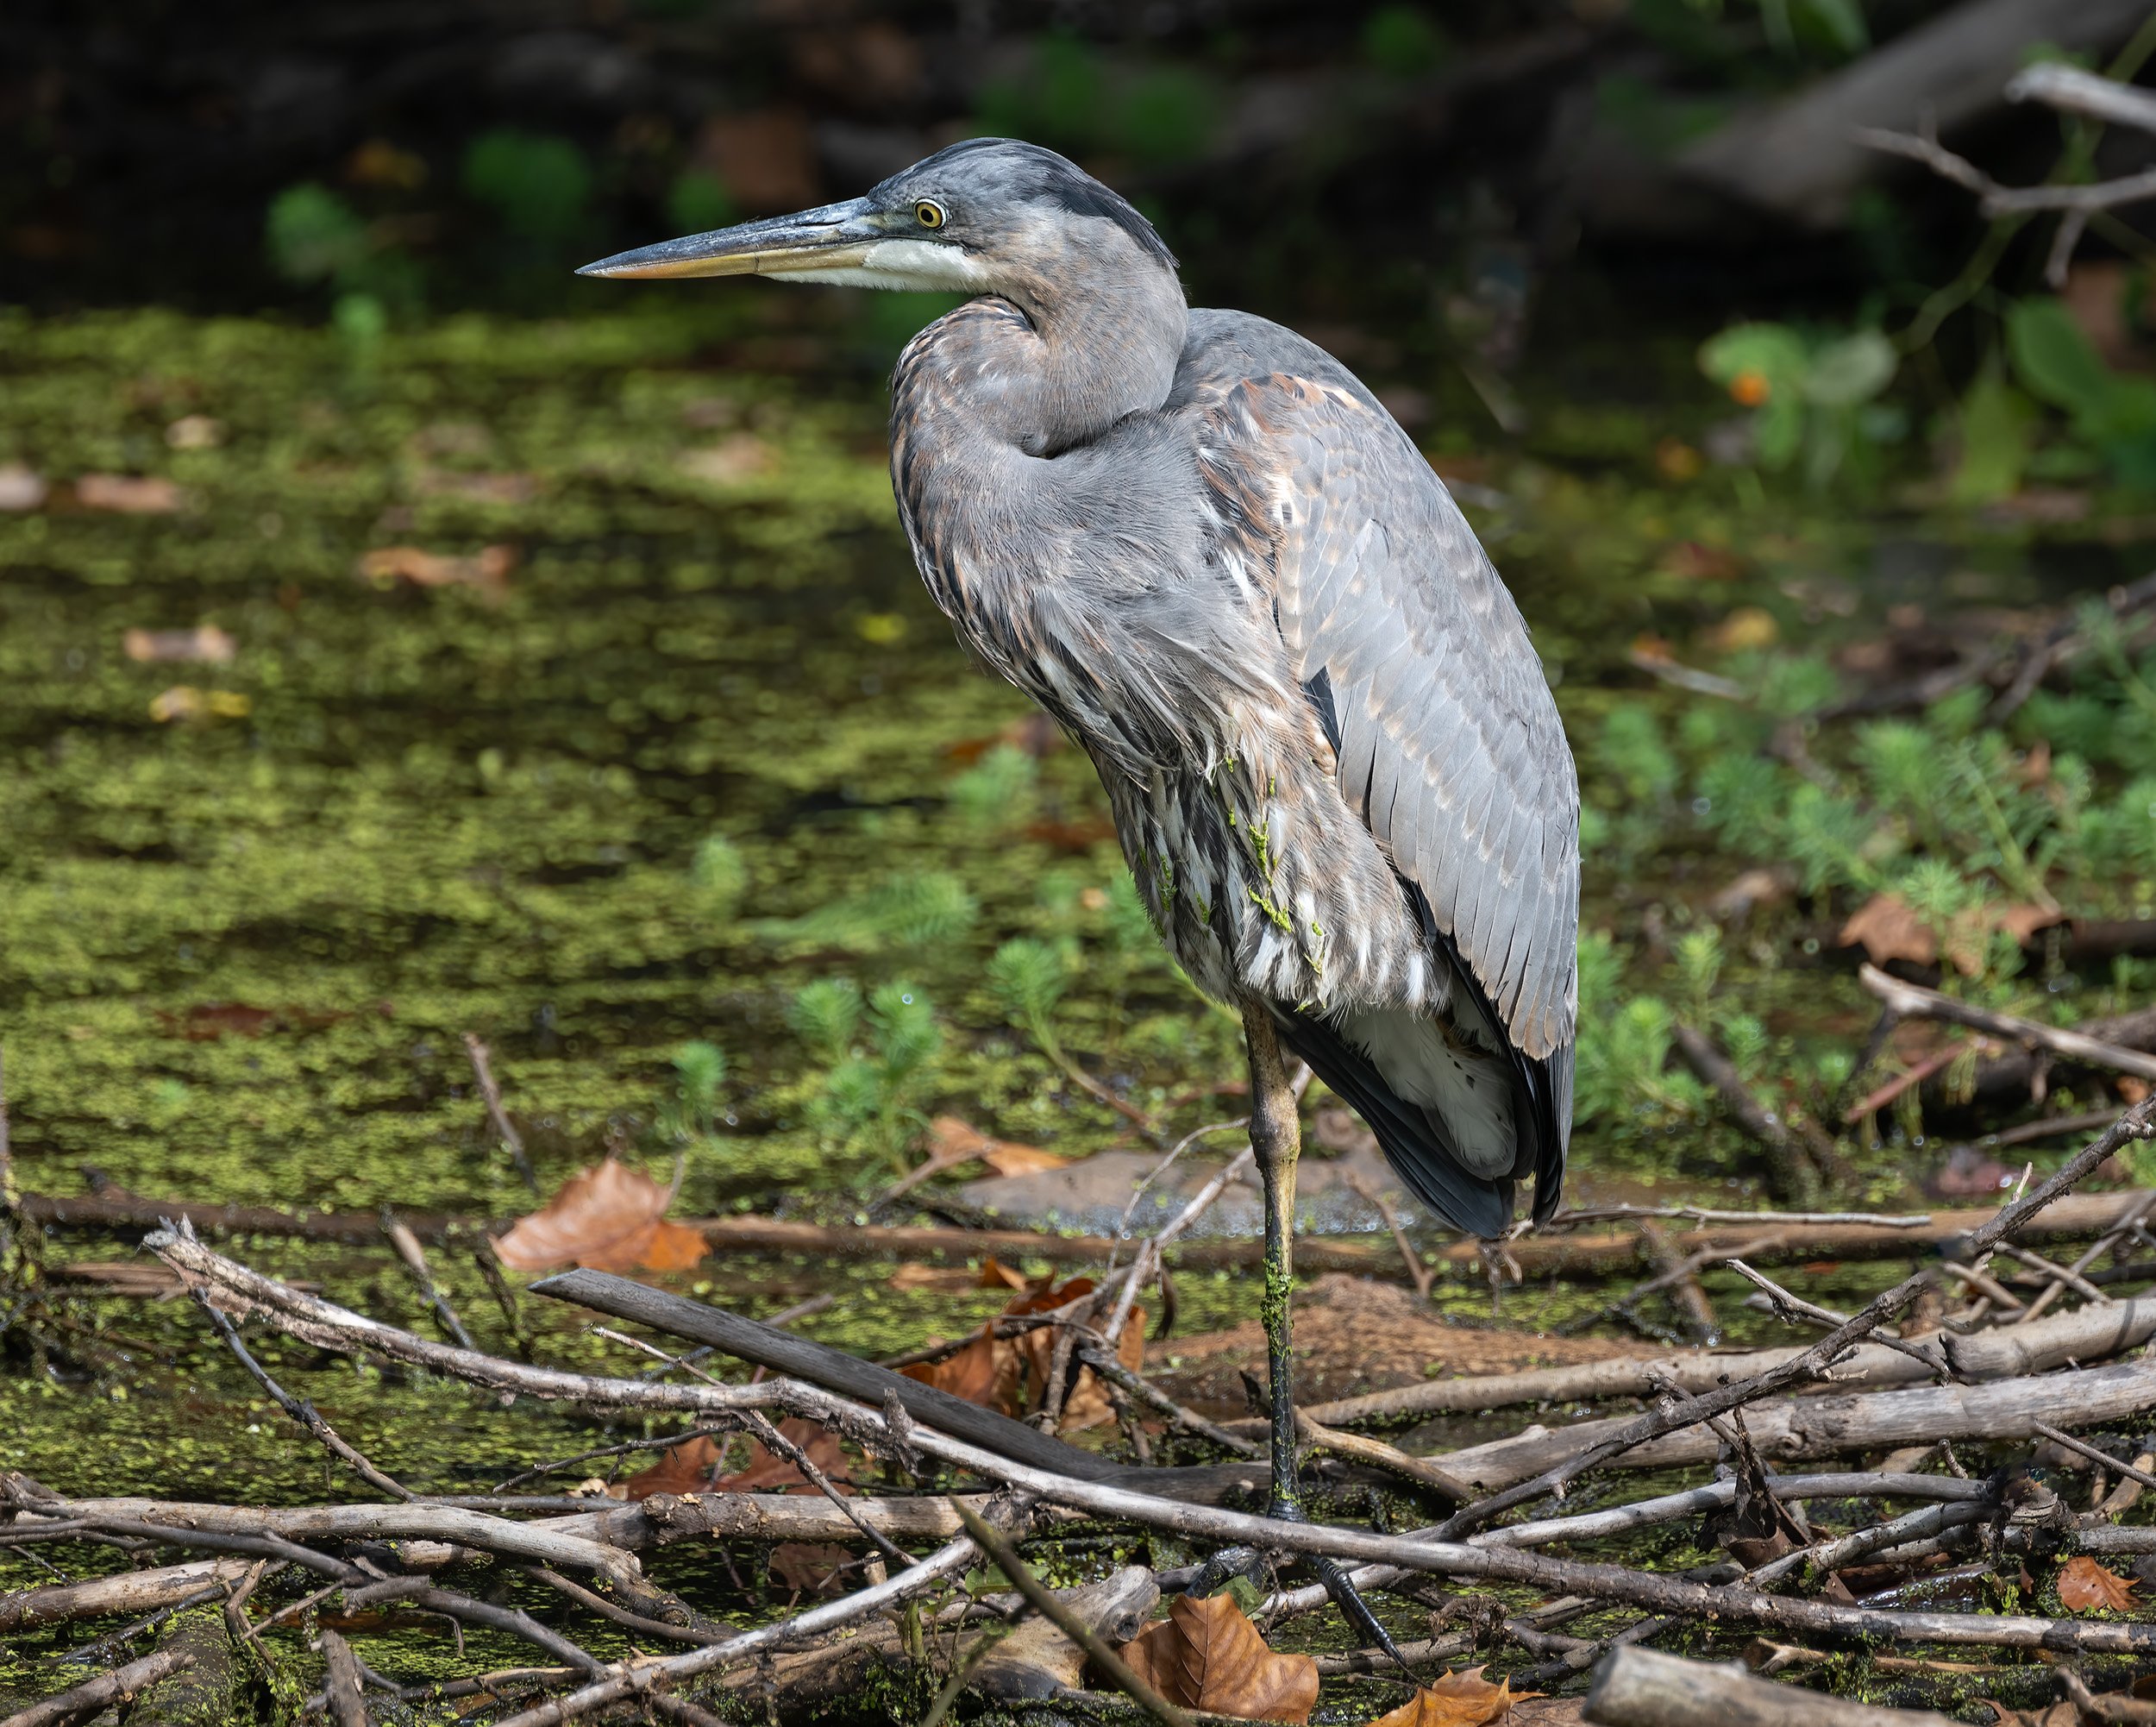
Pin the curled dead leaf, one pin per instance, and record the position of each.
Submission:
(1011, 1374)
(683, 1468)
(1458, 1700)
(1207, 1654)
(611, 1218)
(953, 1140)
(2084, 1586)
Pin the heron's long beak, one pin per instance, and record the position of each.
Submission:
(837, 236)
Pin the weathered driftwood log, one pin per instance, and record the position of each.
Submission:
(1637, 1687)
(2088, 1334)
(1827, 1426)
(132, 1592)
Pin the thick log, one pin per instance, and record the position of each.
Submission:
(1638, 1687)
(1827, 1426)
(2089, 1334)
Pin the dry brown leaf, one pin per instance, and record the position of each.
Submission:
(130, 494)
(912, 1275)
(683, 1468)
(612, 1218)
(766, 1469)
(486, 571)
(953, 1140)
(2084, 1586)
(208, 645)
(1459, 1699)
(1207, 1654)
(1011, 1374)
(988, 1372)
(1888, 928)
(808, 1568)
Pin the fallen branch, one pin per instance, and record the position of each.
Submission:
(1637, 1687)
(1913, 1002)
(2085, 1335)
(1797, 1159)
(94, 1696)
(125, 1591)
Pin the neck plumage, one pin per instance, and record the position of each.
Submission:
(1101, 334)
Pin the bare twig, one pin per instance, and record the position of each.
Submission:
(1790, 1149)
(1375, 1451)
(415, 1258)
(1418, 1274)
(2075, 91)
(1912, 1001)
(1791, 1307)
(483, 1071)
(300, 1409)
(2082, 1447)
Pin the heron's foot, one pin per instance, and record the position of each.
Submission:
(1244, 1561)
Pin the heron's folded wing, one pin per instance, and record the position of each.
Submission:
(1449, 742)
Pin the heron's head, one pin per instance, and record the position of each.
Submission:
(991, 216)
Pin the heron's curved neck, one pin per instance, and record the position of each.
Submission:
(1107, 342)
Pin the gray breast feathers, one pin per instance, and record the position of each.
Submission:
(1449, 743)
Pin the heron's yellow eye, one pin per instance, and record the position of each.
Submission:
(929, 214)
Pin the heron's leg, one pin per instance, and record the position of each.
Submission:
(1276, 1139)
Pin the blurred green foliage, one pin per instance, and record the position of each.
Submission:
(537, 185)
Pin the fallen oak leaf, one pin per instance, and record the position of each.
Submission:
(953, 1140)
(810, 1567)
(768, 1469)
(2084, 1586)
(1207, 1654)
(609, 1218)
(1887, 927)
(1464, 1699)
(683, 1468)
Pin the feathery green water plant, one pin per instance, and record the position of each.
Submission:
(881, 1053)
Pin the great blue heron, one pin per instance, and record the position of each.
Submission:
(1198, 541)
